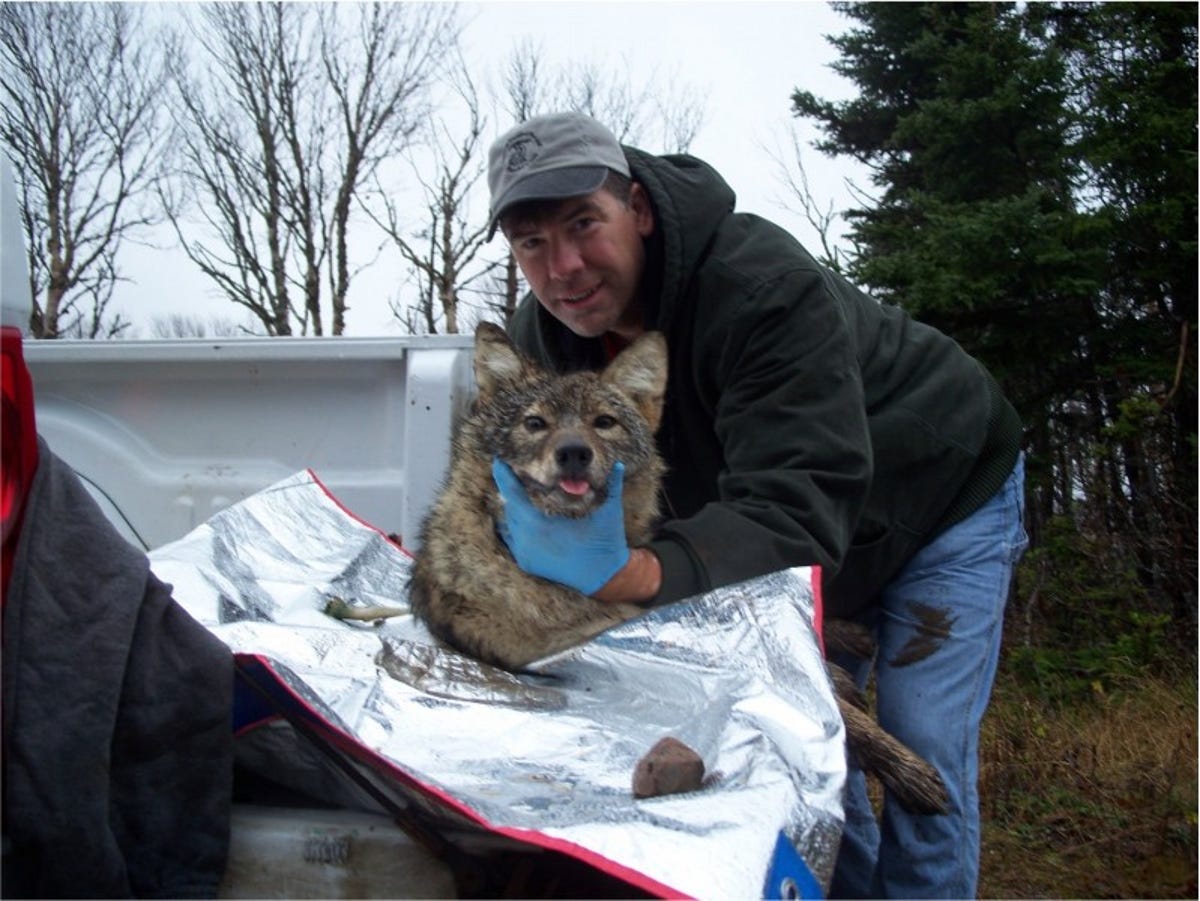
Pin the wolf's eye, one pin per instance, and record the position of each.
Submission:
(534, 423)
(604, 421)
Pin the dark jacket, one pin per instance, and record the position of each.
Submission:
(805, 422)
(118, 746)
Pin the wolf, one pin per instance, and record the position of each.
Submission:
(561, 436)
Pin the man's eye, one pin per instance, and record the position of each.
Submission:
(604, 421)
(534, 423)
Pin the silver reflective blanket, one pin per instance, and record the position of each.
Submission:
(735, 674)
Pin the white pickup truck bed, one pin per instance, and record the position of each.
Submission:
(167, 433)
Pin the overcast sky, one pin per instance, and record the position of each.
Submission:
(745, 58)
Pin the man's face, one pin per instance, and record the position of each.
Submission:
(584, 260)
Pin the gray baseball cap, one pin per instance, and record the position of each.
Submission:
(549, 157)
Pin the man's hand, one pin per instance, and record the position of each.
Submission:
(582, 554)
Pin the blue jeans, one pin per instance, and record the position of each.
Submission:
(938, 627)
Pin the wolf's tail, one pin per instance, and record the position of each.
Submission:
(913, 781)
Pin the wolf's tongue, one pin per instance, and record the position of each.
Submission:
(574, 486)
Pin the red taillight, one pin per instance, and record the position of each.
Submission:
(18, 444)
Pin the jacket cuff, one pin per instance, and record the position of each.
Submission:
(682, 575)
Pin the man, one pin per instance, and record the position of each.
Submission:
(805, 424)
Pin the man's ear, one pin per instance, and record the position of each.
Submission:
(639, 202)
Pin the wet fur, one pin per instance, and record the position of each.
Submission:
(472, 595)
(466, 587)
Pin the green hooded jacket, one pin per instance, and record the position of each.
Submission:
(805, 423)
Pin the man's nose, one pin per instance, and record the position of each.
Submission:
(565, 260)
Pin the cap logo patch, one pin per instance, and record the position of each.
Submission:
(521, 149)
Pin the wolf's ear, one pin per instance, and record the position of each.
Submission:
(497, 360)
(640, 372)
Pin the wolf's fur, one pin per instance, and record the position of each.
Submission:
(466, 586)
(470, 592)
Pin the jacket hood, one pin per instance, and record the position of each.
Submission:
(690, 200)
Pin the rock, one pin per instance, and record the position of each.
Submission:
(670, 767)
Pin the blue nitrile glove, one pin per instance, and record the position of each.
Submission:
(580, 553)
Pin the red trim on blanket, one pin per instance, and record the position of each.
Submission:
(370, 525)
(818, 608)
(250, 727)
(352, 747)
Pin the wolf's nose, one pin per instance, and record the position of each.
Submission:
(573, 458)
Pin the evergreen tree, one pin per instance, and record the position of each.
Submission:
(1133, 76)
(1037, 177)
(962, 123)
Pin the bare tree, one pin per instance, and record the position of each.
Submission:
(443, 250)
(611, 95)
(679, 115)
(792, 176)
(611, 99)
(522, 82)
(181, 325)
(236, 166)
(522, 86)
(397, 50)
(790, 173)
(294, 109)
(82, 86)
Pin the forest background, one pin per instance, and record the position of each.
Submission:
(1033, 193)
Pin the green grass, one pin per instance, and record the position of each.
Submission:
(1091, 798)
